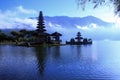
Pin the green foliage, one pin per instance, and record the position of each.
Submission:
(15, 33)
(23, 32)
(4, 37)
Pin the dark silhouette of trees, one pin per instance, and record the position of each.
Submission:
(31, 36)
(72, 40)
(4, 37)
(22, 34)
(15, 34)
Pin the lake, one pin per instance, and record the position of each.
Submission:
(99, 61)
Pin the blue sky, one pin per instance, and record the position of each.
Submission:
(57, 8)
(16, 13)
(49, 7)
(20, 10)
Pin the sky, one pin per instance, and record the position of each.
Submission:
(31, 8)
(13, 12)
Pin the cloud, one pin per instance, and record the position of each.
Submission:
(82, 27)
(53, 25)
(26, 11)
(26, 21)
(88, 27)
(11, 18)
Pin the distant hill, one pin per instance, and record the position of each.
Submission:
(61, 21)
(89, 26)
(73, 21)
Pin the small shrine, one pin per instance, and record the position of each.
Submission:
(79, 40)
(56, 37)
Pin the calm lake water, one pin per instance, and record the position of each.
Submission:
(99, 61)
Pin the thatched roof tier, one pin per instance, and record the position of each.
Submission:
(56, 34)
(79, 38)
(78, 34)
(47, 34)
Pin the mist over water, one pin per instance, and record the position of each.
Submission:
(95, 33)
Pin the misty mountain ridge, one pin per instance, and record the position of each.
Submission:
(89, 26)
(60, 21)
(73, 21)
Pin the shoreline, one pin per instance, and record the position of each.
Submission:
(7, 43)
(29, 45)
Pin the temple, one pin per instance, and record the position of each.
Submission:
(79, 40)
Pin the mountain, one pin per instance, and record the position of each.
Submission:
(73, 21)
(58, 21)
(89, 26)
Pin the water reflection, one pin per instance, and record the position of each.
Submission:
(78, 50)
(41, 57)
(71, 62)
(17, 63)
(56, 52)
(43, 54)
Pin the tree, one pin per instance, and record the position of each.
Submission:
(15, 35)
(3, 36)
(72, 41)
(23, 33)
(97, 3)
(31, 36)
